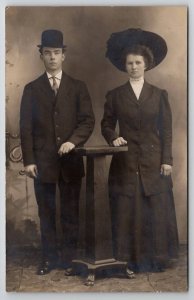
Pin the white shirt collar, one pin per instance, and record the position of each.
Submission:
(57, 76)
(137, 81)
(137, 85)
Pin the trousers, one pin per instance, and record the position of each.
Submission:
(69, 217)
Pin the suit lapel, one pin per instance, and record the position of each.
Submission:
(145, 92)
(129, 93)
(63, 92)
(64, 88)
(45, 85)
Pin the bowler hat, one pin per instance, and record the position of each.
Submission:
(120, 41)
(52, 38)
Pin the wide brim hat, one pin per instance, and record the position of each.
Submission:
(52, 38)
(120, 41)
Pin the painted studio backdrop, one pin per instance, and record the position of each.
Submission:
(86, 30)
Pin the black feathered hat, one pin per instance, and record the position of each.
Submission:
(120, 41)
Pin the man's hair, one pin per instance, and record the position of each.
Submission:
(139, 50)
(41, 50)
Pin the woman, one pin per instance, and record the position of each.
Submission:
(143, 214)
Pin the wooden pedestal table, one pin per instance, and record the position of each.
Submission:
(98, 236)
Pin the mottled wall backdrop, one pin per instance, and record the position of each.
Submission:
(86, 30)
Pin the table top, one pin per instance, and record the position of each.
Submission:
(100, 150)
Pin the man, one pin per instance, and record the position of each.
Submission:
(56, 116)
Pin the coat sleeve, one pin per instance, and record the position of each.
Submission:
(165, 129)
(26, 126)
(85, 116)
(108, 123)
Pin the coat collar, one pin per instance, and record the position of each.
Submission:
(64, 87)
(145, 92)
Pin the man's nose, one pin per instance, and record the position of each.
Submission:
(52, 55)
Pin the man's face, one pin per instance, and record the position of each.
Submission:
(53, 59)
(135, 66)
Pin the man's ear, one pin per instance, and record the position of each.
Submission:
(63, 56)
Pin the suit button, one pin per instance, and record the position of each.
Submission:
(56, 125)
(58, 138)
(56, 113)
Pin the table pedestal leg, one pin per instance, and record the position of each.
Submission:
(92, 268)
(98, 233)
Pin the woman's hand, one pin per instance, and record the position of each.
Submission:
(66, 148)
(119, 142)
(166, 170)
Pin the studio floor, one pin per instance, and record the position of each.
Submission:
(21, 277)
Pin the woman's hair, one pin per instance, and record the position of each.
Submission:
(139, 50)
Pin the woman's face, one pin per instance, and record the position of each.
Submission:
(135, 66)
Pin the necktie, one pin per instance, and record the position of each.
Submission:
(55, 86)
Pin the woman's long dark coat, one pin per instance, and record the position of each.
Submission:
(146, 124)
(142, 207)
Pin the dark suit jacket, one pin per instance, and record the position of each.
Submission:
(146, 124)
(47, 121)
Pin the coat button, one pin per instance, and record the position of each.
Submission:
(58, 138)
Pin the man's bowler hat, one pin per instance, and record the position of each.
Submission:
(120, 41)
(52, 38)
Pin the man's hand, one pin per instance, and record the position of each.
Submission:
(66, 148)
(166, 170)
(119, 142)
(31, 171)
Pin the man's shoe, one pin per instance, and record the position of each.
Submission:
(130, 274)
(45, 267)
(69, 272)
